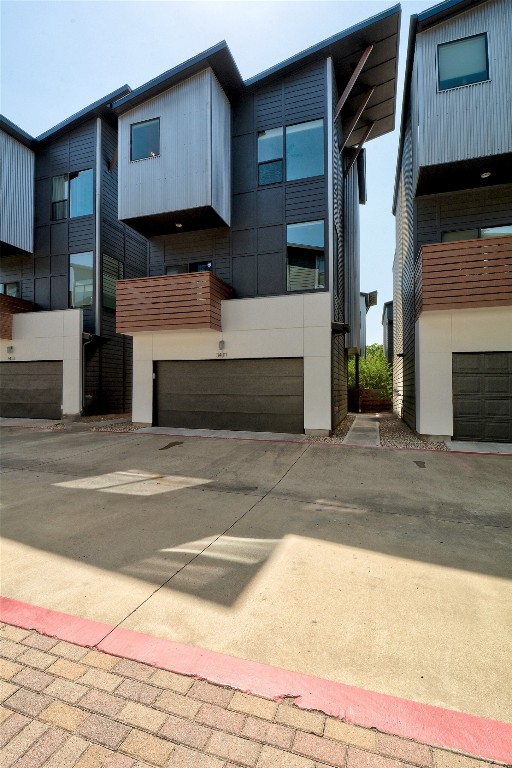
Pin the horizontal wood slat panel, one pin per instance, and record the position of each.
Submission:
(469, 273)
(170, 302)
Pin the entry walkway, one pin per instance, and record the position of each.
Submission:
(364, 431)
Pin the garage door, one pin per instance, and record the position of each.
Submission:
(259, 395)
(31, 390)
(482, 396)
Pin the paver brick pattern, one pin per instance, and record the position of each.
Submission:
(65, 706)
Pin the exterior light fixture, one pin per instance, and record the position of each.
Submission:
(485, 175)
(179, 225)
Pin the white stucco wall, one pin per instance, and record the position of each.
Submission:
(55, 335)
(281, 326)
(438, 335)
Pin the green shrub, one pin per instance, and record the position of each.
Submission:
(374, 372)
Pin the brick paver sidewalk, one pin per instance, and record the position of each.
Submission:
(65, 706)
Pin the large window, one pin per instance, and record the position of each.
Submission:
(112, 270)
(10, 289)
(305, 267)
(463, 62)
(300, 150)
(194, 266)
(145, 139)
(74, 190)
(305, 150)
(80, 279)
(270, 156)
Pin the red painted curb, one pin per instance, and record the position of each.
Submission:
(477, 736)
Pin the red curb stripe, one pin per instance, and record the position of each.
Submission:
(477, 736)
(73, 629)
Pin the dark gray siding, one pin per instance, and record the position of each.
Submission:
(469, 209)
(54, 241)
(251, 256)
(111, 363)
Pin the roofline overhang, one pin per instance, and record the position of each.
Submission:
(100, 108)
(218, 58)
(15, 132)
(319, 51)
(419, 22)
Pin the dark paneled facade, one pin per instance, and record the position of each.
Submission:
(44, 276)
(251, 255)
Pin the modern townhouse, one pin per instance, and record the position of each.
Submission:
(453, 204)
(62, 249)
(249, 194)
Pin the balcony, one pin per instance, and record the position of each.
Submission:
(10, 306)
(464, 274)
(170, 303)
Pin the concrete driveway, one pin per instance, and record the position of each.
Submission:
(387, 570)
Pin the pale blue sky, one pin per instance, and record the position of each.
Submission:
(59, 56)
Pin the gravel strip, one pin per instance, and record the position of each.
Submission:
(119, 426)
(339, 435)
(394, 433)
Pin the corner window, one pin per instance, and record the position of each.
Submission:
(463, 62)
(72, 195)
(270, 156)
(10, 289)
(305, 150)
(145, 139)
(112, 270)
(80, 279)
(305, 259)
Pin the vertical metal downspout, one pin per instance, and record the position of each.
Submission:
(330, 182)
(97, 241)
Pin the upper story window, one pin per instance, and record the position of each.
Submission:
(72, 195)
(270, 156)
(145, 139)
(10, 289)
(300, 150)
(80, 279)
(305, 258)
(194, 266)
(463, 62)
(305, 150)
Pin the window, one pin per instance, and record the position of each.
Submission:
(59, 197)
(80, 193)
(305, 267)
(80, 279)
(473, 234)
(194, 266)
(270, 156)
(10, 289)
(112, 270)
(463, 62)
(145, 139)
(75, 189)
(305, 150)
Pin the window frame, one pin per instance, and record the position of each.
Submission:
(71, 304)
(319, 289)
(4, 285)
(284, 173)
(463, 85)
(67, 200)
(479, 231)
(147, 157)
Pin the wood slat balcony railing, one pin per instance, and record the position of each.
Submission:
(464, 274)
(10, 306)
(170, 303)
